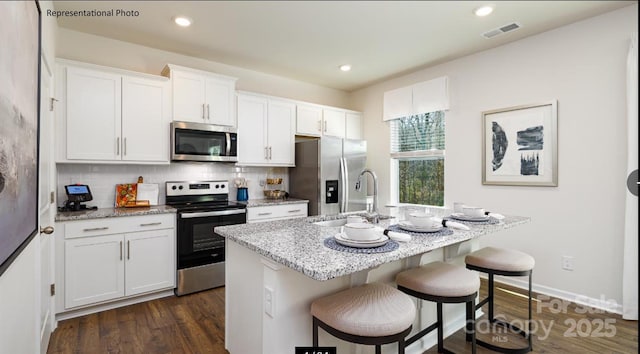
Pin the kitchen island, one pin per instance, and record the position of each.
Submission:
(275, 270)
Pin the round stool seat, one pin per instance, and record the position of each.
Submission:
(500, 259)
(440, 279)
(370, 310)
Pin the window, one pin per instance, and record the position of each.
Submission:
(417, 156)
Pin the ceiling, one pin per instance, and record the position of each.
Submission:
(309, 40)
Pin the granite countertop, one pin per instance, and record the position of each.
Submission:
(113, 212)
(268, 202)
(298, 244)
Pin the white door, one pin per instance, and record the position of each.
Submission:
(281, 132)
(150, 262)
(219, 99)
(334, 123)
(93, 269)
(46, 208)
(188, 97)
(145, 124)
(354, 126)
(93, 115)
(252, 130)
(308, 120)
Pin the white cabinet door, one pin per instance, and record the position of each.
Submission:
(145, 124)
(219, 100)
(93, 269)
(93, 115)
(188, 97)
(150, 261)
(252, 130)
(281, 132)
(334, 123)
(308, 120)
(354, 126)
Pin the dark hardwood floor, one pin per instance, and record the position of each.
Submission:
(195, 324)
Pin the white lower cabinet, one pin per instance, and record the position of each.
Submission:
(94, 270)
(103, 264)
(276, 212)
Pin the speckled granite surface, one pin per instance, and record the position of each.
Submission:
(113, 212)
(298, 244)
(267, 202)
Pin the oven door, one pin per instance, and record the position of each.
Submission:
(202, 142)
(197, 243)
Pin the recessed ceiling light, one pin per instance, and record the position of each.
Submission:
(345, 67)
(182, 21)
(483, 10)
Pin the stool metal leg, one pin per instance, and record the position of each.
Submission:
(440, 335)
(315, 332)
(490, 297)
(378, 349)
(530, 317)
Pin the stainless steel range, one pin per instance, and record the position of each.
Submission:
(201, 205)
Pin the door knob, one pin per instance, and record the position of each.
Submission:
(46, 230)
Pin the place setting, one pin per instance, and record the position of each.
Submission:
(474, 215)
(361, 237)
(421, 224)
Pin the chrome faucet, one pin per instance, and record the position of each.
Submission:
(375, 191)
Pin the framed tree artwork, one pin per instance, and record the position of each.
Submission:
(520, 145)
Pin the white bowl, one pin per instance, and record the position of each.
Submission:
(361, 231)
(474, 212)
(424, 220)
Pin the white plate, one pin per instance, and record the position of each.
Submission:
(463, 217)
(407, 226)
(341, 239)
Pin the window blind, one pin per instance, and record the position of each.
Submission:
(420, 135)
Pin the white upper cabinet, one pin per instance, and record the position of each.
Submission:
(354, 126)
(145, 107)
(93, 115)
(110, 116)
(334, 122)
(314, 120)
(201, 97)
(266, 131)
(308, 120)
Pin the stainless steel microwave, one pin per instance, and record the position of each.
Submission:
(203, 142)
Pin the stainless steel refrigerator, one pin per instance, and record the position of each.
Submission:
(326, 173)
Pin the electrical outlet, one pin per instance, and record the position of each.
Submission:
(269, 300)
(567, 262)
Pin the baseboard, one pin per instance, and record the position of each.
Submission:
(600, 304)
(112, 305)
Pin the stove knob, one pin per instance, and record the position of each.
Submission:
(180, 188)
(217, 186)
(174, 188)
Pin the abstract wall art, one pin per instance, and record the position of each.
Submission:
(19, 70)
(520, 145)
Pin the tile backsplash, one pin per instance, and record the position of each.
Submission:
(102, 179)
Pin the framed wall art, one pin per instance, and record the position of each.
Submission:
(520, 145)
(19, 112)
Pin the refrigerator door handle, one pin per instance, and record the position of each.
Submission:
(344, 181)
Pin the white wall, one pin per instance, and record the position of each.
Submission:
(109, 52)
(582, 66)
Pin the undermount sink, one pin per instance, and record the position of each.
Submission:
(331, 223)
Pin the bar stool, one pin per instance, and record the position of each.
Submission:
(372, 314)
(499, 261)
(442, 283)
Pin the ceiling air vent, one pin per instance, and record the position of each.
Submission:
(503, 29)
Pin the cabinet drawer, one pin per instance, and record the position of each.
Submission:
(108, 226)
(275, 212)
